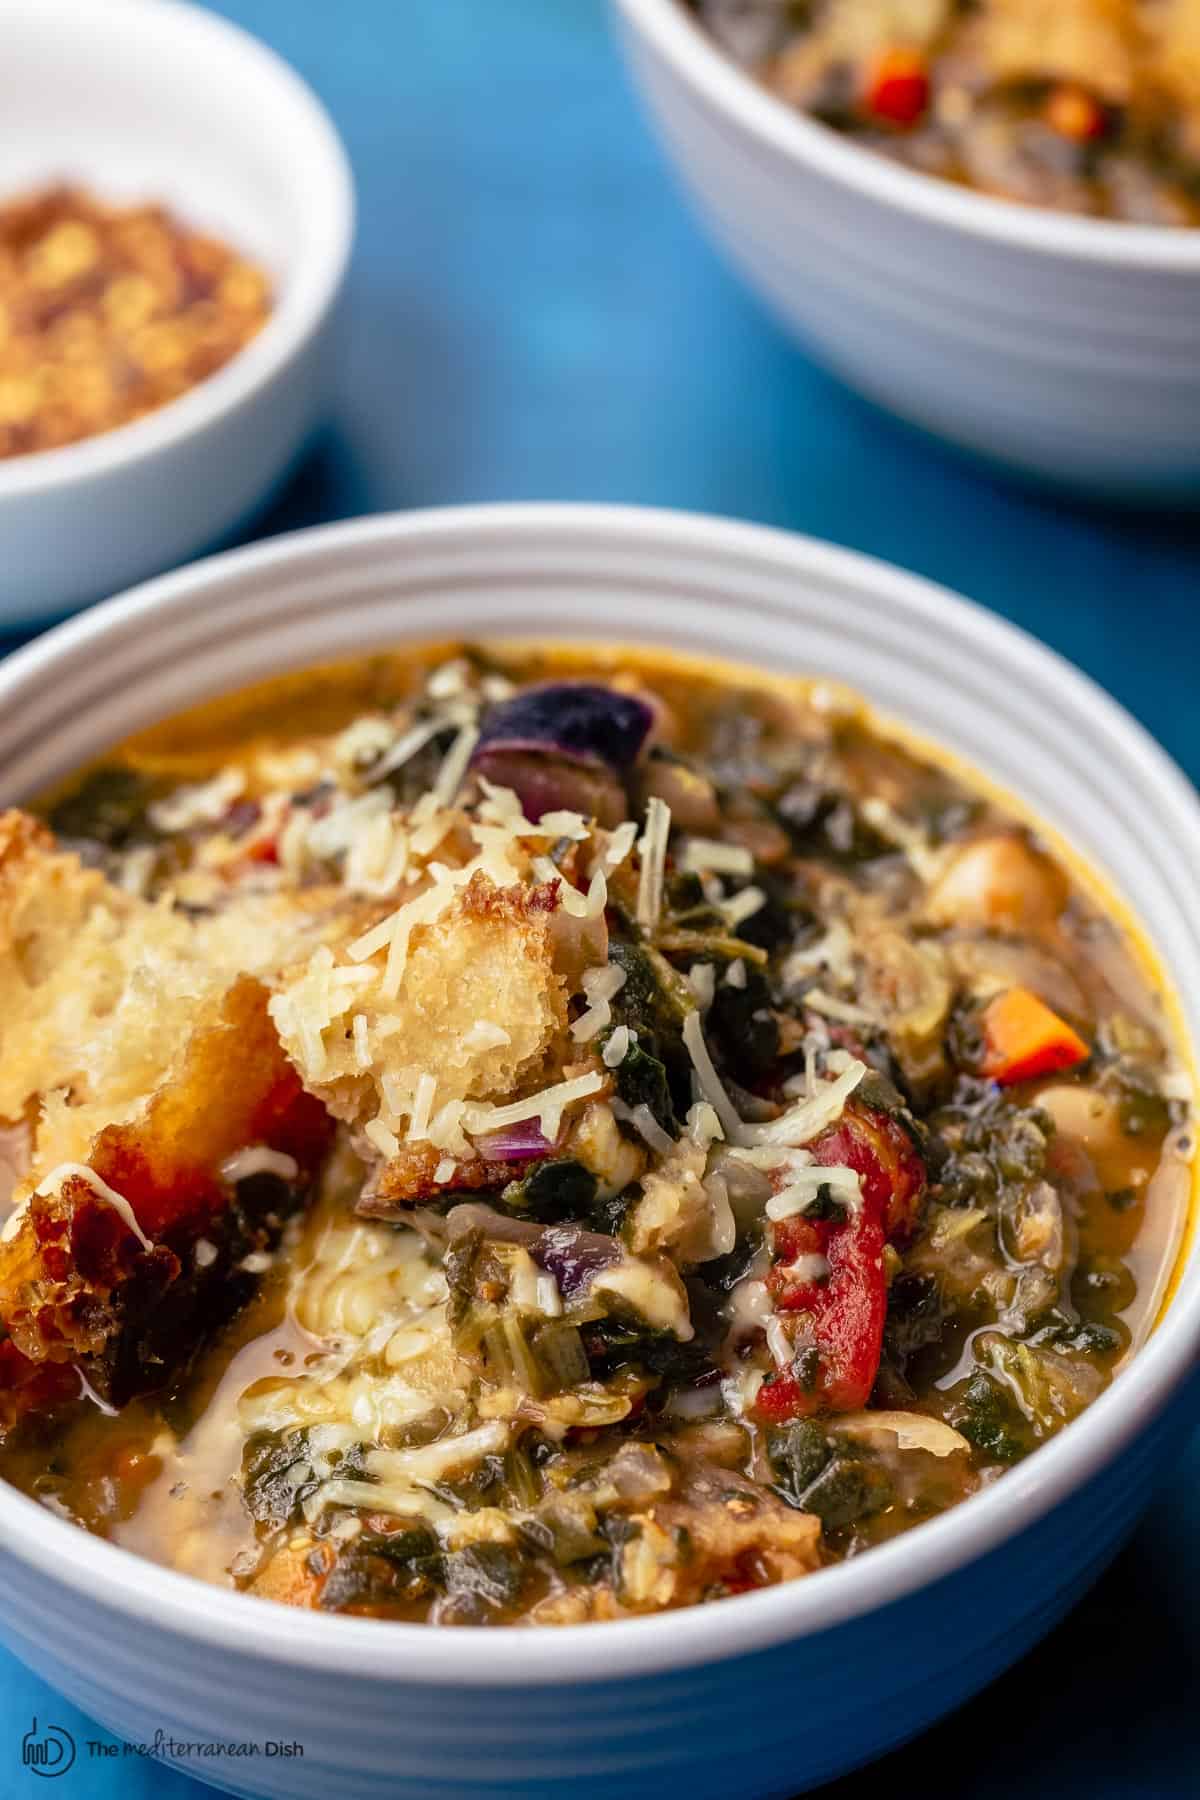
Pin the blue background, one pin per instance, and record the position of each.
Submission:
(532, 314)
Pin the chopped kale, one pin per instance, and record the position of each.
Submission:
(381, 1567)
(613, 1344)
(988, 1418)
(482, 1579)
(799, 1454)
(653, 998)
(824, 821)
(914, 1316)
(642, 1081)
(742, 1024)
(835, 1478)
(1088, 1338)
(277, 1475)
(610, 1213)
(109, 807)
(555, 1192)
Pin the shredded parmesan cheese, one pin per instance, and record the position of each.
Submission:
(599, 987)
(418, 1127)
(795, 1127)
(385, 1141)
(702, 979)
(800, 1124)
(484, 1035)
(703, 1125)
(259, 1160)
(702, 854)
(448, 679)
(778, 1342)
(479, 1120)
(923, 858)
(646, 1125)
(742, 906)
(80, 1172)
(200, 805)
(433, 1462)
(806, 1268)
(619, 846)
(834, 952)
(454, 765)
(561, 824)
(844, 1185)
(833, 1008)
(652, 846)
(404, 749)
(710, 1082)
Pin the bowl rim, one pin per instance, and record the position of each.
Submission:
(151, 1597)
(305, 300)
(682, 42)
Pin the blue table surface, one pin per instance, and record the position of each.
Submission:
(532, 314)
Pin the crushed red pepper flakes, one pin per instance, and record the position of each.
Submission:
(107, 313)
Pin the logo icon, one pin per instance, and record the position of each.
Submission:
(50, 1751)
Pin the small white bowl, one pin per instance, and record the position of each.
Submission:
(154, 100)
(755, 1696)
(1067, 348)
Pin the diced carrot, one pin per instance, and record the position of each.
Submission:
(1023, 1038)
(1074, 113)
(897, 87)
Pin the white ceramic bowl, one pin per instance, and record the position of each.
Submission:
(149, 99)
(1067, 348)
(758, 1695)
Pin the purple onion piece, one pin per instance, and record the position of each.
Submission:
(546, 782)
(562, 746)
(516, 1143)
(579, 720)
(573, 1256)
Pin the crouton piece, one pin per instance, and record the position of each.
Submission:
(410, 1179)
(477, 1008)
(100, 990)
(1170, 71)
(75, 1273)
(85, 1003)
(1092, 42)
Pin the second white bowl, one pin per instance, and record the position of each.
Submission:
(1066, 348)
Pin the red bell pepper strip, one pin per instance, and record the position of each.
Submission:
(839, 1316)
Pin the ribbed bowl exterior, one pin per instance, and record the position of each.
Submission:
(769, 1693)
(1076, 365)
(768, 1724)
